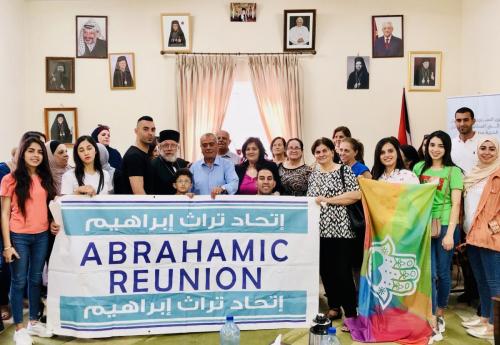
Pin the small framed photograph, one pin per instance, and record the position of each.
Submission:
(387, 36)
(424, 71)
(358, 76)
(60, 74)
(92, 37)
(243, 11)
(122, 71)
(61, 124)
(176, 32)
(300, 30)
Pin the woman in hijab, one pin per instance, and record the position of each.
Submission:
(60, 130)
(482, 225)
(359, 78)
(122, 76)
(176, 38)
(104, 157)
(58, 162)
(102, 135)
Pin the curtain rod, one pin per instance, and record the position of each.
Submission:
(164, 52)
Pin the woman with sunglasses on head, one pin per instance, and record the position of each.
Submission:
(438, 167)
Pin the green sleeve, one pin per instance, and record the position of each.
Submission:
(456, 179)
(417, 169)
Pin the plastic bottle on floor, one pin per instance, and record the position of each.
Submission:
(229, 333)
(331, 339)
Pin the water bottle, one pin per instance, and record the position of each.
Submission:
(229, 333)
(331, 339)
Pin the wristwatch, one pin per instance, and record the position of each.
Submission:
(224, 191)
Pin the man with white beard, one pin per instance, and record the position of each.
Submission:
(166, 165)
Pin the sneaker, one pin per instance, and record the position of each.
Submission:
(436, 336)
(441, 324)
(38, 329)
(472, 322)
(481, 332)
(22, 337)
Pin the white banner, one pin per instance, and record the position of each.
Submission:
(486, 112)
(132, 265)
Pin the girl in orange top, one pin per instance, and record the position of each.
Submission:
(482, 225)
(25, 222)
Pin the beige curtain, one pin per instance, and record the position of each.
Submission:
(275, 80)
(204, 84)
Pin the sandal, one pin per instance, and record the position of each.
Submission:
(5, 312)
(334, 314)
(344, 328)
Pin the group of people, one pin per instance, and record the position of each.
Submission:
(467, 167)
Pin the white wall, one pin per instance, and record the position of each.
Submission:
(12, 77)
(343, 28)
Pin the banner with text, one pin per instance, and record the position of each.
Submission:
(131, 265)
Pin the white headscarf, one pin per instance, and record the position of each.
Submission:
(481, 170)
(90, 24)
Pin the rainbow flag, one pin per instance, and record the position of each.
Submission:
(395, 301)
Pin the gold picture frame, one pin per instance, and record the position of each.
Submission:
(122, 71)
(65, 130)
(176, 39)
(425, 71)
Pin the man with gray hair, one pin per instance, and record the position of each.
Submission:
(223, 141)
(213, 175)
(167, 164)
(91, 41)
(388, 45)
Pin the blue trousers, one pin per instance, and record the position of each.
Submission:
(485, 265)
(32, 249)
(441, 269)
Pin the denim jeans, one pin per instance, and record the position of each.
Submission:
(32, 249)
(485, 265)
(441, 269)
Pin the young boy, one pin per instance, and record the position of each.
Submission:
(183, 181)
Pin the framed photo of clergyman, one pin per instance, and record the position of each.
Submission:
(299, 32)
(387, 36)
(358, 77)
(92, 37)
(122, 71)
(61, 124)
(243, 11)
(424, 71)
(176, 32)
(60, 74)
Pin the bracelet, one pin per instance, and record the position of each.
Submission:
(7, 248)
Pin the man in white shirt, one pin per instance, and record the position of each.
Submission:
(299, 34)
(223, 141)
(464, 146)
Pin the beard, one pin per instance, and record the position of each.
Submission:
(170, 158)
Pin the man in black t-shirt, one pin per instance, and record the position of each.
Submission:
(166, 165)
(136, 172)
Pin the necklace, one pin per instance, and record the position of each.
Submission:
(171, 169)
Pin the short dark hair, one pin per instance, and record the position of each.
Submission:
(263, 168)
(275, 140)
(323, 141)
(183, 172)
(297, 140)
(145, 118)
(464, 110)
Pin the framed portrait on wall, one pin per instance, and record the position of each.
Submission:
(243, 12)
(358, 76)
(61, 124)
(92, 37)
(60, 74)
(299, 33)
(387, 36)
(122, 71)
(424, 71)
(176, 32)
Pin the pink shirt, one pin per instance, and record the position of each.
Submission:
(248, 185)
(37, 213)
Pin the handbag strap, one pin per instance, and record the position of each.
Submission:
(342, 177)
